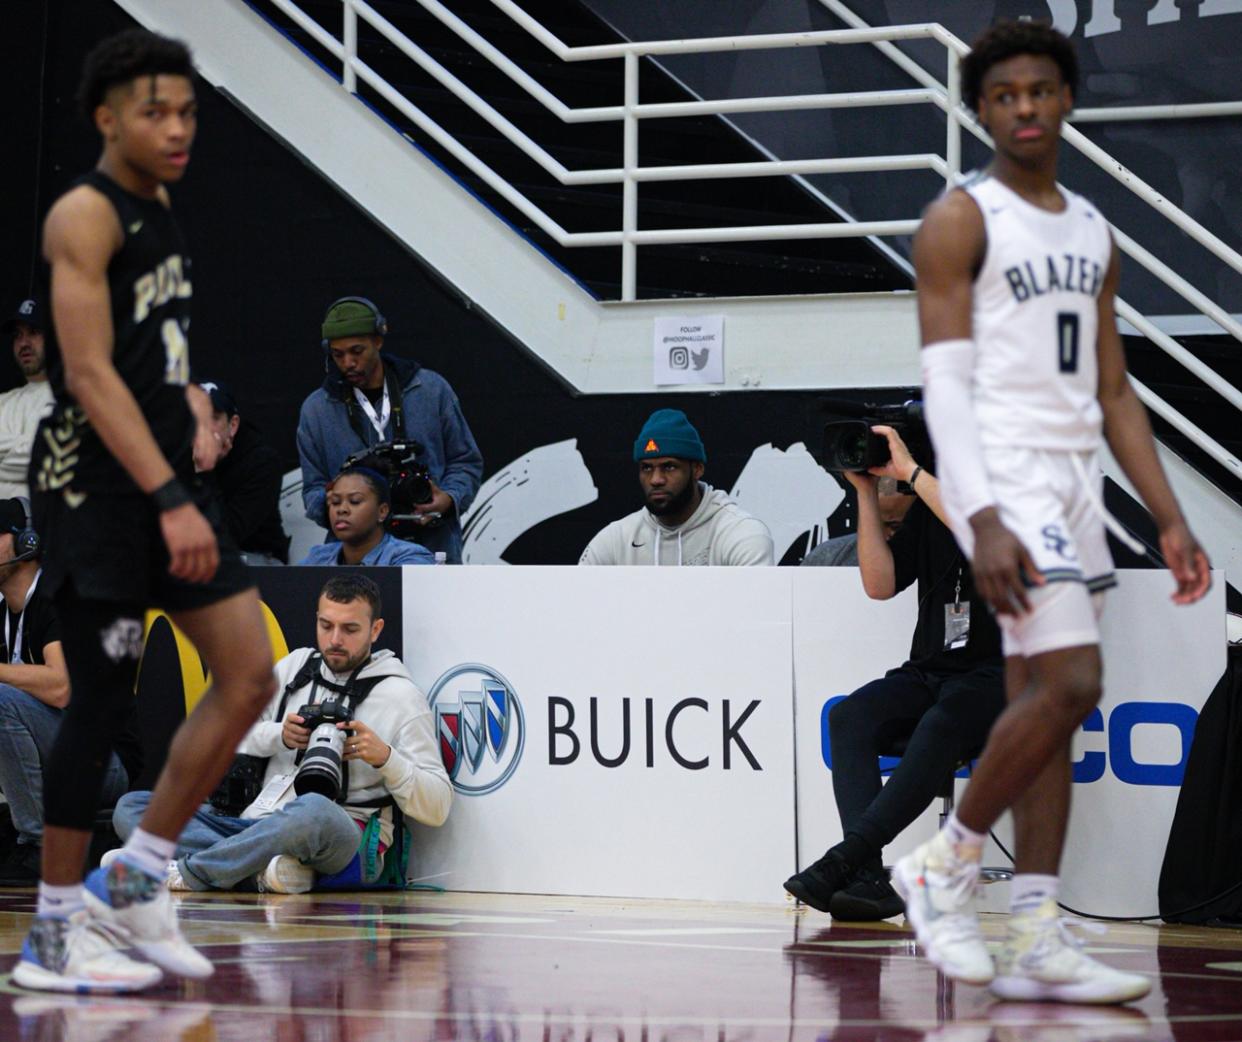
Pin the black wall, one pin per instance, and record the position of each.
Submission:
(273, 244)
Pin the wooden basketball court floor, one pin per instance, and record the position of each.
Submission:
(505, 968)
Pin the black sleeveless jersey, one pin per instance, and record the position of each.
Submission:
(149, 286)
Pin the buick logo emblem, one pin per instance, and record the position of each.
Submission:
(479, 727)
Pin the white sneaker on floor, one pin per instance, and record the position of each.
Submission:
(79, 954)
(286, 875)
(125, 896)
(939, 895)
(1043, 961)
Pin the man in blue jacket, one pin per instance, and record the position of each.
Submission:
(370, 396)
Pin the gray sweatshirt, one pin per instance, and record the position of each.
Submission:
(718, 532)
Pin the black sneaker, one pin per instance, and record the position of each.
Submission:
(870, 896)
(816, 884)
(21, 867)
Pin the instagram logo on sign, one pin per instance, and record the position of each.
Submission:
(678, 358)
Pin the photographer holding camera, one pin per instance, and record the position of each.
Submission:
(347, 747)
(370, 397)
(942, 700)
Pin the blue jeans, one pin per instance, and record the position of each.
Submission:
(27, 730)
(215, 852)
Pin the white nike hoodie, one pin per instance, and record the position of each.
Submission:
(719, 532)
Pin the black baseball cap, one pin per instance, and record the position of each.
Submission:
(29, 311)
(222, 399)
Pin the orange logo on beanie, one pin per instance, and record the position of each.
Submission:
(651, 446)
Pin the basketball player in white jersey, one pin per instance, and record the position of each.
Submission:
(1024, 374)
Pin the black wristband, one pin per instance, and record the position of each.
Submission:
(170, 495)
(914, 476)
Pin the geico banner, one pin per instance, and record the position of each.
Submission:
(1160, 664)
(609, 731)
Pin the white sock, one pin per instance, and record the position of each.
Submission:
(59, 902)
(967, 844)
(149, 852)
(1029, 890)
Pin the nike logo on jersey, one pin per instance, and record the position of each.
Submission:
(637, 546)
(158, 287)
(1063, 274)
(135, 228)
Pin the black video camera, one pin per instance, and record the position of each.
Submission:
(409, 481)
(851, 444)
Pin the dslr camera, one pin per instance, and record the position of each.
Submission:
(320, 770)
(849, 443)
(409, 481)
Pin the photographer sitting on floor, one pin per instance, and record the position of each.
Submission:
(333, 772)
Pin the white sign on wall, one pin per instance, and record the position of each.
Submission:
(611, 731)
(688, 350)
(1160, 664)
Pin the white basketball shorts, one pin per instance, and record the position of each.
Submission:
(1041, 499)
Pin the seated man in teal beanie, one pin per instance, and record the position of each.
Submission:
(685, 520)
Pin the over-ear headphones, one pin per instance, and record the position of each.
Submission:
(26, 542)
(380, 323)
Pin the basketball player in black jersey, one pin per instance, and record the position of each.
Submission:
(128, 526)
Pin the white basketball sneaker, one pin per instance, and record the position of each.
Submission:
(1042, 960)
(79, 954)
(285, 875)
(938, 889)
(125, 896)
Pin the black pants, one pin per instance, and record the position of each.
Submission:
(946, 718)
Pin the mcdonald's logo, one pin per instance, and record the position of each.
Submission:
(195, 677)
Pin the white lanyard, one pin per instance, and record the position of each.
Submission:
(379, 422)
(14, 640)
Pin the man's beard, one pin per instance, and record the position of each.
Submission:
(350, 664)
(674, 504)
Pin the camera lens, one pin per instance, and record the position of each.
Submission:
(321, 767)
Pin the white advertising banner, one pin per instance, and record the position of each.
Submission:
(610, 731)
(1160, 664)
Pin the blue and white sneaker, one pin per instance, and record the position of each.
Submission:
(79, 954)
(139, 904)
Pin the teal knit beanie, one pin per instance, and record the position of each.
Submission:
(667, 432)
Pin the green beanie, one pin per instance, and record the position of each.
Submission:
(352, 318)
(667, 432)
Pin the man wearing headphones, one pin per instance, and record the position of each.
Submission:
(370, 396)
(34, 690)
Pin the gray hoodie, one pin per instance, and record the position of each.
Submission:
(718, 532)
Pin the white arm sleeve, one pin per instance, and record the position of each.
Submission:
(948, 366)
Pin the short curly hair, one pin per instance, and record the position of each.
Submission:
(351, 586)
(126, 56)
(1006, 39)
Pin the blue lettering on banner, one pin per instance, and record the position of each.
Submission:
(1093, 764)
(1121, 724)
(1091, 767)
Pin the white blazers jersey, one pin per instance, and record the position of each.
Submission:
(1035, 320)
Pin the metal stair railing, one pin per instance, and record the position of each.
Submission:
(944, 96)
